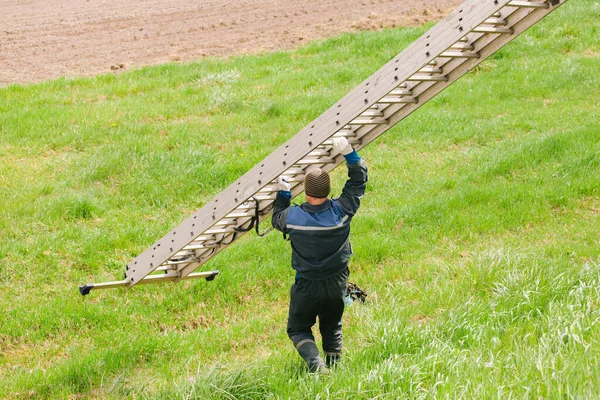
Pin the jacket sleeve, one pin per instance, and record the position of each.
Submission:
(355, 186)
(280, 211)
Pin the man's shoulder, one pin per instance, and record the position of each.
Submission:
(337, 205)
(294, 211)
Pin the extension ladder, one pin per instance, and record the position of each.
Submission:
(466, 37)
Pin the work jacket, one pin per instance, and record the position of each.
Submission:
(320, 234)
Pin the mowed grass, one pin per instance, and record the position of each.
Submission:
(478, 239)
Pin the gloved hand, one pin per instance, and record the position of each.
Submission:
(341, 145)
(282, 184)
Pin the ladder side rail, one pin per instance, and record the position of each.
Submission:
(465, 18)
(519, 19)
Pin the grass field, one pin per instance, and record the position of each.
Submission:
(478, 239)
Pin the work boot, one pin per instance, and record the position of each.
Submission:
(310, 353)
(331, 359)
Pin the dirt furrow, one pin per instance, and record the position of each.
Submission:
(42, 40)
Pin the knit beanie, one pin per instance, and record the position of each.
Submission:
(316, 183)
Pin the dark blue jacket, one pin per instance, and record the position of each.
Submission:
(320, 235)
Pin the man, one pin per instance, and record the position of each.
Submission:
(319, 231)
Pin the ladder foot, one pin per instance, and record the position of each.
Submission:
(213, 276)
(85, 289)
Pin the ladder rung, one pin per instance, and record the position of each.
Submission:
(166, 268)
(463, 39)
(492, 29)
(529, 4)
(371, 113)
(220, 231)
(459, 54)
(397, 100)
(197, 247)
(250, 206)
(461, 46)
(430, 70)
(246, 206)
(320, 153)
(401, 92)
(269, 189)
(432, 62)
(265, 197)
(240, 214)
(428, 78)
(293, 171)
(313, 161)
(296, 178)
(204, 238)
(351, 140)
(178, 262)
(345, 133)
(497, 14)
(225, 222)
(495, 21)
(369, 121)
(183, 253)
(192, 256)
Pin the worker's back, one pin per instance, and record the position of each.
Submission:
(320, 238)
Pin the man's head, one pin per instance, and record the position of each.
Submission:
(317, 185)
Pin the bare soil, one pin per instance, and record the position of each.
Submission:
(42, 39)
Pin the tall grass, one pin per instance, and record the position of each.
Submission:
(477, 240)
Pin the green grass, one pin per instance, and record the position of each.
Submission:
(478, 239)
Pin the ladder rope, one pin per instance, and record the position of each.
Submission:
(257, 215)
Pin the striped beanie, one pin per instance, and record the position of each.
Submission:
(317, 184)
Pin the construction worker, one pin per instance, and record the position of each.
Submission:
(319, 231)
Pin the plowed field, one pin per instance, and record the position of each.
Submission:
(41, 40)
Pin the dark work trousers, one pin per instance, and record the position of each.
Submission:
(310, 299)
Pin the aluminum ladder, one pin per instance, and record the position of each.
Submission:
(467, 36)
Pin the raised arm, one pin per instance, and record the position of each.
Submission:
(281, 205)
(356, 184)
